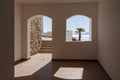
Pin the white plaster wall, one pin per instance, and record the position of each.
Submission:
(17, 32)
(59, 13)
(109, 37)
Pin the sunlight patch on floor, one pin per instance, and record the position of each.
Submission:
(69, 73)
(32, 65)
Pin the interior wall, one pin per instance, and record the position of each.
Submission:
(59, 13)
(7, 39)
(109, 37)
(17, 32)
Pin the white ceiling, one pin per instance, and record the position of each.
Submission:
(53, 1)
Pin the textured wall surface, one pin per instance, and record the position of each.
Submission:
(35, 35)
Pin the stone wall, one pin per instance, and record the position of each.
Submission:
(35, 34)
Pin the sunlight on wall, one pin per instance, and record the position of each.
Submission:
(69, 73)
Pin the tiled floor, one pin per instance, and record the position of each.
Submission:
(56, 70)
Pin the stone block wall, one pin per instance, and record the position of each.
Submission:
(35, 34)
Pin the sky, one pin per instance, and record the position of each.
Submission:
(76, 22)
(47, 24)
(71, 23)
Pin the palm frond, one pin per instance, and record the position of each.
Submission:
(80, 29)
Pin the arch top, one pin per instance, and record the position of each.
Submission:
(38, 15)
(80, 15)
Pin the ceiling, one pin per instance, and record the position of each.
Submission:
(53, 1)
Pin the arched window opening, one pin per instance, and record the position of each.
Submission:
(78, 28)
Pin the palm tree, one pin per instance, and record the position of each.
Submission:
(79, 30)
